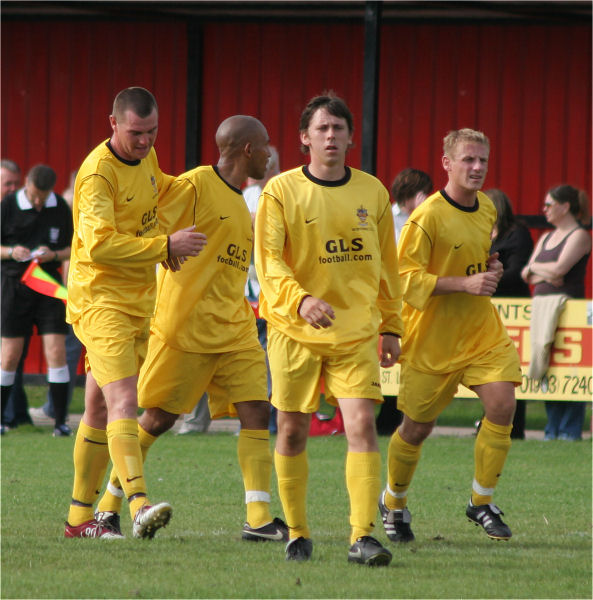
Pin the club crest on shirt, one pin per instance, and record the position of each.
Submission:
(362, 213)
(155, 189)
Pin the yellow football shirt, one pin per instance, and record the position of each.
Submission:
(334, 241)
(444, 239)
(117, 240)
(202, 308)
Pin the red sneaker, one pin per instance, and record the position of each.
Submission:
(90, 529)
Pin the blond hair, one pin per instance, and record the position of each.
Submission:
(457, 136)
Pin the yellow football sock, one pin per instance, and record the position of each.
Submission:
(490, 452)
(402, 459)
(113, 495)
(122, 436)
(91, 457)
(292, 473)
(363, 480)
(255, 461)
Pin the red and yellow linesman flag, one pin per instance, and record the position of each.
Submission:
(37, 279)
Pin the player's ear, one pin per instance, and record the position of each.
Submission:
(247, 150)
(446, 162)
(304, 138)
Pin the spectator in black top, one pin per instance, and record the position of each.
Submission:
(512, 240)
(36, 223)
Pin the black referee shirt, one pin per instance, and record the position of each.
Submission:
(23, 226)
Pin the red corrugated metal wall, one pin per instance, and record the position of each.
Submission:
(58, 84)
(59, 80)
(271, 70)
(528, 87)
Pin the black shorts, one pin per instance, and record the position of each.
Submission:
(22, 308)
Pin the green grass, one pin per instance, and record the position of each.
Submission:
(545, 492)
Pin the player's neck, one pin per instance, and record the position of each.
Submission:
(232, 172)
(327, 172)
(462, 196)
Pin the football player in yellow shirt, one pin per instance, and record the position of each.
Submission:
(111, 290)
(453, 335)
(204, 336)
(327, 265)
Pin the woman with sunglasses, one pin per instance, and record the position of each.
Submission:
(557, 267)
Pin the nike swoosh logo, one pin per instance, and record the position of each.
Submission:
(307, 221)
(128, 479)
(457, 246)
(129, 199)
(271, 536)
(223, 218)
(355, 553)
(93, 442)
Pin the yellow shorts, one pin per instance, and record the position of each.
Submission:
(424, 396)
(296, 373)
(174, 381)
(115, 343)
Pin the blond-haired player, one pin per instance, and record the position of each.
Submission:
(327, 265)
(453, 334)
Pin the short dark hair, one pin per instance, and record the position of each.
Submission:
(333, 104)
(408, 183)
(42, 177)
(137, 99)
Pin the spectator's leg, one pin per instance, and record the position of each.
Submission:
(554, 414)
(570, 426)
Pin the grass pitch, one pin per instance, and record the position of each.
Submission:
(545, 492)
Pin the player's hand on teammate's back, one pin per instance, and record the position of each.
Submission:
(316, 312)
(186, 242)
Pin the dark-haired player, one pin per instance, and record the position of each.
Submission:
(327, 264)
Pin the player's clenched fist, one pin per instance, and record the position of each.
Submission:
(482, 284)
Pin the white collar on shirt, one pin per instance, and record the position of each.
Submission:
(24, 203)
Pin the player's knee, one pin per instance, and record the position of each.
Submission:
(156, 421)
(253, 415)
(414, 432)
(293, 434)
